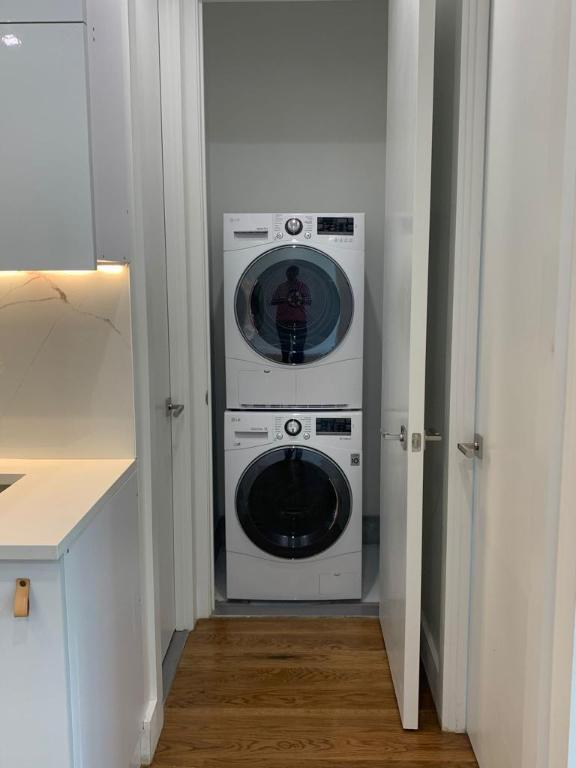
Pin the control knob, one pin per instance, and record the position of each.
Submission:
(293, 427)
(294, 226)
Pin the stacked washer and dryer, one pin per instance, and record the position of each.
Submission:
(294, 317)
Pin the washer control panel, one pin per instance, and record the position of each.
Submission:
(325, 430)
(303, 427)
(297, 427)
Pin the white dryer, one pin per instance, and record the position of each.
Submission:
(294, 310)
(293, 505)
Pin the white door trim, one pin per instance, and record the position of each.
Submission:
(145, 93)
(188, 291)
(561, 743)
(467, 243)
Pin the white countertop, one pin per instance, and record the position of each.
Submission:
(53, 502)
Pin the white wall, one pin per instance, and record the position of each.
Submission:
(66, 385)
(295, 116)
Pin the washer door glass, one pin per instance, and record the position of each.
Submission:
(293, 502)
(294, 305)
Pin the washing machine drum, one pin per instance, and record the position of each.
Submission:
(294, 305)
(293, 502)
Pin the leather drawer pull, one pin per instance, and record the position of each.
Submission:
(22, 599)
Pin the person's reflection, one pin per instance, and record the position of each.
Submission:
(291, 299)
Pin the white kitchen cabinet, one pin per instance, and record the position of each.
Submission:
(65, 187)
(34, 706)
(42, 10)
(71, 674)
(46, 215)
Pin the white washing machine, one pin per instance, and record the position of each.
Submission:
(294, 310)
(293, 505)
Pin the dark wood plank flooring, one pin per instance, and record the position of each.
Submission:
(286, 693)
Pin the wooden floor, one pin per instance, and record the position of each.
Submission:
(286, 693)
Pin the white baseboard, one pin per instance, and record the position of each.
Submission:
(151, 730)
(431, 662)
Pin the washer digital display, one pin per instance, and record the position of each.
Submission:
(335, 225)
(333, 426)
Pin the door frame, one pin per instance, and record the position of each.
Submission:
(185, 185)
(144, 86)
(181, 60)
(560, 671)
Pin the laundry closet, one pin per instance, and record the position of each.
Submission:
(322, 183)
(295, 100)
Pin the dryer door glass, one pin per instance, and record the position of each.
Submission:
(294, 305)
(293, 502)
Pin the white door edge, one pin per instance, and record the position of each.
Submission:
(466, 241)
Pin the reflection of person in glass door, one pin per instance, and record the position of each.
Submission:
(291, 299)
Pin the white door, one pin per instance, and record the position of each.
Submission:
(520, 383)
(162, 501)
(407, 224)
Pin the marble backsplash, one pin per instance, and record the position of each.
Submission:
(66, 382)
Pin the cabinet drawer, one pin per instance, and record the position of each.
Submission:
(46, 215)
(41, 10)
(34, 708)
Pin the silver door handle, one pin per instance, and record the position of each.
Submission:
(173, 409)
(473, 450)
(431, 436)
(400, 436)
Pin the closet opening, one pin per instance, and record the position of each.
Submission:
(295, 110)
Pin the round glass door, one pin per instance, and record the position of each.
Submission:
(294, 305)
(293, 502)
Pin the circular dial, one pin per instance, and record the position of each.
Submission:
(293, 427)
(294, 226)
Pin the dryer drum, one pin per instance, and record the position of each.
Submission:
(293, 502)
(294, 305)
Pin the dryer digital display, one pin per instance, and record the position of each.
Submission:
(335, 225)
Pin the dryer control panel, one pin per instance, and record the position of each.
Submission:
(246, 230)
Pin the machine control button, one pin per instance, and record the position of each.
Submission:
(306, 435)
(293, 427)
(279, 435)
(308, 235)
(294, 226)
(279, 235)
